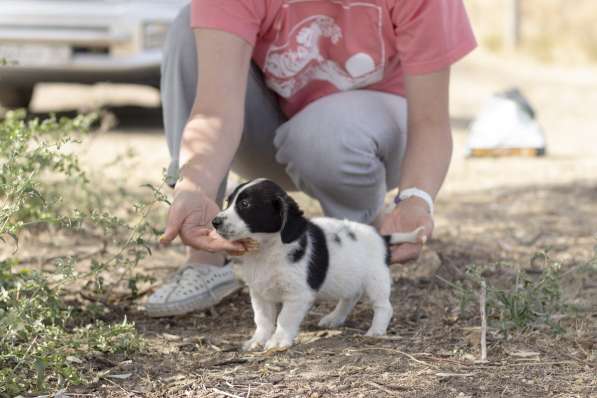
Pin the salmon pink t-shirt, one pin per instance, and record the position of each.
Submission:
(308, 49)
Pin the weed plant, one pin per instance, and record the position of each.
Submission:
(48, 340)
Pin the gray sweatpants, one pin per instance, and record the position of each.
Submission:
(344, 149)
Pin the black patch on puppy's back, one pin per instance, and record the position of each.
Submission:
(337, 239)
(319, 257)
(296, 254)
(386, 239)
(352, 235)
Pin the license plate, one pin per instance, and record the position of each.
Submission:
(35, 54)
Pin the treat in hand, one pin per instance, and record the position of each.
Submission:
(249, 245)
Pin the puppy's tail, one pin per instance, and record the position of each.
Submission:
(416, 236)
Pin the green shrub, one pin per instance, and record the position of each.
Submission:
(524, 301)
(43, 344)
(47, 341)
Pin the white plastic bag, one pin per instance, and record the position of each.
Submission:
(506, 122)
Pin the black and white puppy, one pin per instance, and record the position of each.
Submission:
(299, 260)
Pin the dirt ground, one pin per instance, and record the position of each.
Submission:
(490, 211)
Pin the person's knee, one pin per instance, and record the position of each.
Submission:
(342, 167)
(342, 170)
(319, 146)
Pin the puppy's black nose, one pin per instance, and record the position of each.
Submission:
(217, 222)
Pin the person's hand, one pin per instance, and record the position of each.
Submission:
(190, 216)
(406, 217)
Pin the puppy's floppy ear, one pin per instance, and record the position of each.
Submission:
(293, 223)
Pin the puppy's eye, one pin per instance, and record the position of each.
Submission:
(243, 204)
(226, 203)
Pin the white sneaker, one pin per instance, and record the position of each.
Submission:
(192, 288)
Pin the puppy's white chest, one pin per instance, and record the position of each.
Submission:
(270, 277)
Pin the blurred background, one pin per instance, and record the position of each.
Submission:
(70, 56)
(89, 55)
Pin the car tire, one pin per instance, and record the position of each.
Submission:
(15, 97)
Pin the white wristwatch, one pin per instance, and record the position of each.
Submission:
(410, 192)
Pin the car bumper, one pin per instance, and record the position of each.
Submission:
(141, 68)
(83, 41)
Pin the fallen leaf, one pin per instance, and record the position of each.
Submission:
(452, 317)
(472, 337)
(469, 357)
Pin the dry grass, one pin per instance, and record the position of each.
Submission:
(432, 348)
(554, 31)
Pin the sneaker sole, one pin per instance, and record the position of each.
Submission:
(192, 303)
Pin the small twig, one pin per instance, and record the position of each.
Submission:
(541, 363)
(452, 361)
(379, 387)
(234, 361)
(446, 263)
(398, 352)
(447, 374)
(531, 241)
(45, 261)
(105, 361)
(116, 384)
(447, 282)
(483, 322)
(96, 299)
(579, 360)
(26, 353)
(572, 269)
(225, 393)
(580, 347)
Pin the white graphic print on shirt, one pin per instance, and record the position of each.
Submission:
(305, 57)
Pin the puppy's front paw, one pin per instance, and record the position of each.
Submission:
(252, 345)
(256, 342)
(331, 321)
(279, 342)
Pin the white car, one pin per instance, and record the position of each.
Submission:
(82, 41)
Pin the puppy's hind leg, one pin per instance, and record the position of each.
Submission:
(378, 291)
(340, 313)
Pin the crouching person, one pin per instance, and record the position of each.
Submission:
(344, 101)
